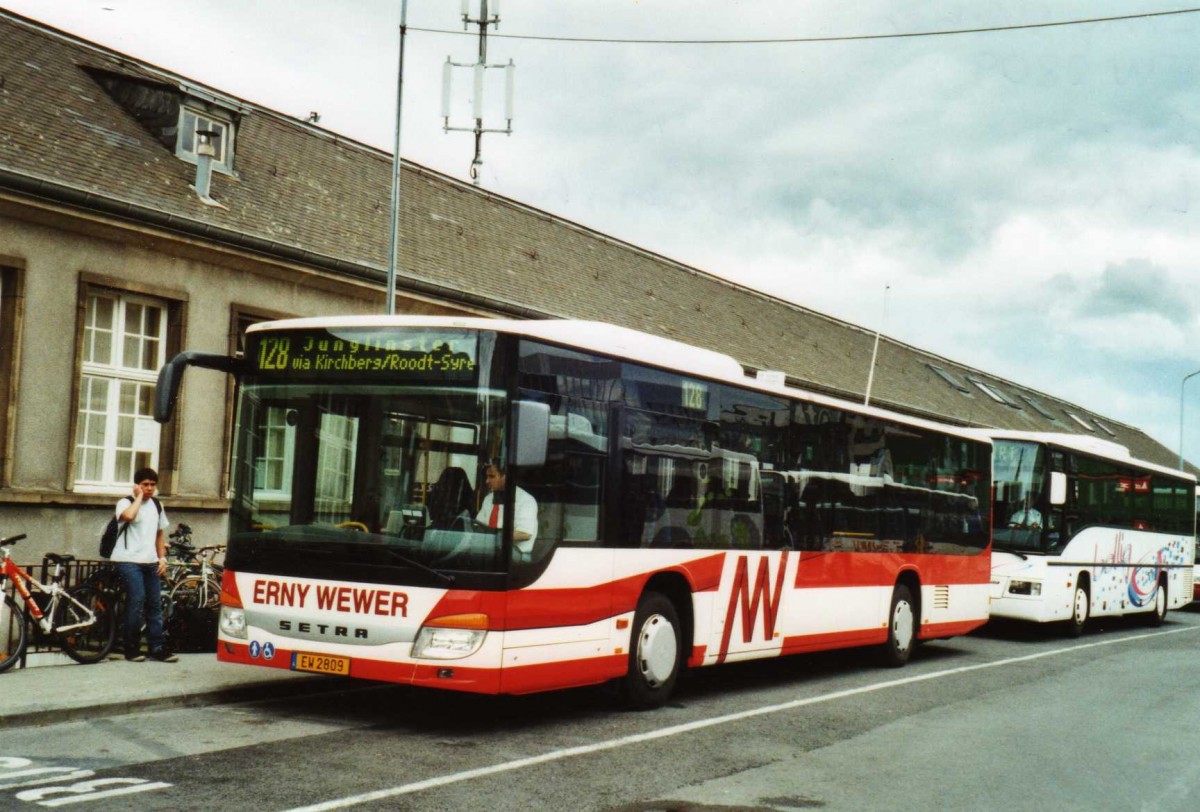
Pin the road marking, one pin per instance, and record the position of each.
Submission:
(700, 724)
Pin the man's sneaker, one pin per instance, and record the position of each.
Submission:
(164, 657)
(136, 658)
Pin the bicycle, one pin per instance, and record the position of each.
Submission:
(181, 556)
(200, 590)
(79, 619)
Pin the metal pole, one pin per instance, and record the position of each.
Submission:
(394, 248)
(875, 350)
(1181, 385)
(477, 164)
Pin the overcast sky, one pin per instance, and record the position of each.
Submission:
(1031, 197)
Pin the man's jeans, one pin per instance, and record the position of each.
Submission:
(143, 592)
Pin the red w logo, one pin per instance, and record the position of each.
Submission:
(750, 599)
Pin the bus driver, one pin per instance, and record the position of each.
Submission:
(491, 513)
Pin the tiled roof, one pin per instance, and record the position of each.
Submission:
(306, 192)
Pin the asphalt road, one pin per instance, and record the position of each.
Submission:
(1007, 718)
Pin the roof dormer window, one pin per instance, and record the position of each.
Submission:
(193, 122)
(942, 373)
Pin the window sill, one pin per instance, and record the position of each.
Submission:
(68, 499)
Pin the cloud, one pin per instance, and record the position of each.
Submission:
(1138, 287)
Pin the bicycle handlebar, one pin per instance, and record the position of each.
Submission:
(11, 540)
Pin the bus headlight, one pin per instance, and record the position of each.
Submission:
(1031, 588)
(233, 622)
(450, 638)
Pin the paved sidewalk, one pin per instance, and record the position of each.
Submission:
(55, 693)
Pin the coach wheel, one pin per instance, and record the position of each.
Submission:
(902, 628)
(1159, 614)
(655, 653)
(1079, 612)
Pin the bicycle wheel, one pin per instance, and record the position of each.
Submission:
(195, 592)
(12, 633)
(93, 642)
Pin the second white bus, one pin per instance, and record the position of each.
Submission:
(1081, 529)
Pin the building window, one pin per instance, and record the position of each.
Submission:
(1086, 425)
(942, 373)
(994, 392)
(273, 470)
(1038, 407)
(985, 389)
(124, 345)
(193, 121)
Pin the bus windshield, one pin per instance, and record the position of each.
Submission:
(368, 450)
(1019, 510)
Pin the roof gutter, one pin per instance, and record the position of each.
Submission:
(126, 211)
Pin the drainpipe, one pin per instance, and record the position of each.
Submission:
(205, 152)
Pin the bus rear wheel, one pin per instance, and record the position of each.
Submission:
(1080, 609)
(902, 628)
(655, 653)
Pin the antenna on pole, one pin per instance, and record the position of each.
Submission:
(487, 17)
(875, 351)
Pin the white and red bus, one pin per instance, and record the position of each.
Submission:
(1196, 566)
(1082, 529)
(686, 514)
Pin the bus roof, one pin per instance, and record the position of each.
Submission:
(620, 342)
(1105, 449)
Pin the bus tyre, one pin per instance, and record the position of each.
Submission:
(1156, 617)
(902, 628)
(1080, 608)
(655, 653)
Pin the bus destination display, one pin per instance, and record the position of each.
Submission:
(313, 354)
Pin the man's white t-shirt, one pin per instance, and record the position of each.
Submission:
(138, 544)
(525, 508)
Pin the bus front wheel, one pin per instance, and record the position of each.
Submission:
(902, 628)
(1080, 609)
(1156, 617)
(655, 653)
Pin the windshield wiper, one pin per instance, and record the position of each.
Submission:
(1010, 550)
(418, 565)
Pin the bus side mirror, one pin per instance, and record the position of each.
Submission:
(170, 378)
(1058, 488)
(532, 422)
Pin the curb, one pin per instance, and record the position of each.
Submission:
(194, 699)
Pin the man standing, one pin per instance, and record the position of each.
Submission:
(141, 559)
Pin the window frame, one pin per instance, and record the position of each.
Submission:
(1038, 407)
(12, 314)
(203, 117)
(173, 307)
(993, 391)
(241, 318)
(948, 377)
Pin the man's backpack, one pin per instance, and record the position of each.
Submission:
(117, 528)
(112, 531)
